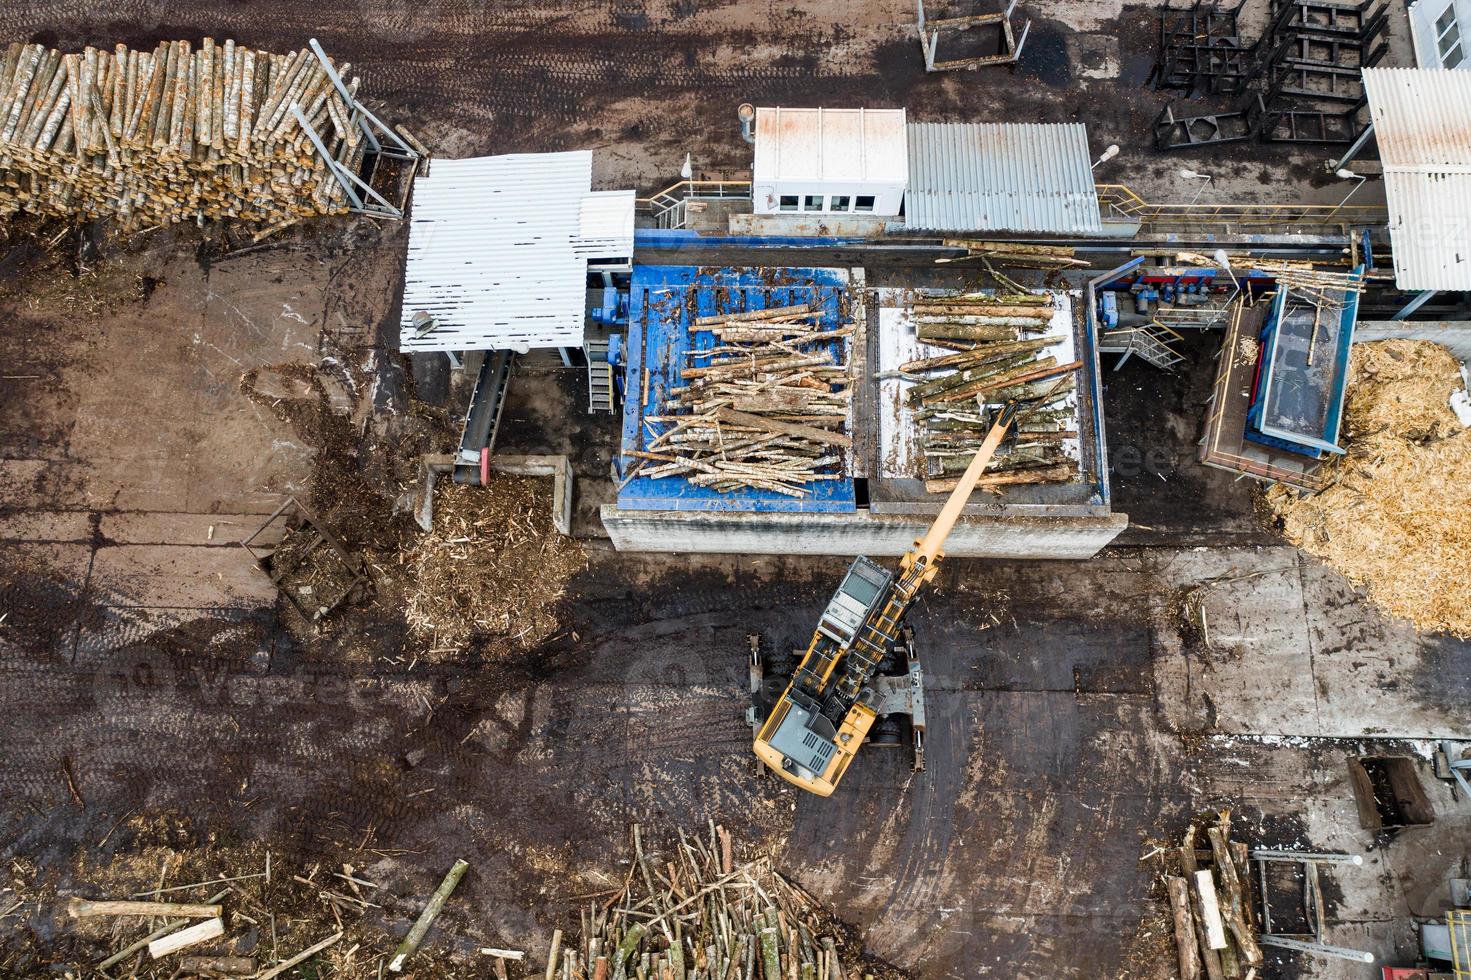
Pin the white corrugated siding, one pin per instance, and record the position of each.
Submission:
(1422, 124)
(497, 254)
(605, 225)
(1015, 177)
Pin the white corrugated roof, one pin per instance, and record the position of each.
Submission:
(498, 250)
(857, 145)
(1422, 124)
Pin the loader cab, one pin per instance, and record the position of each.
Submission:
(861, 592)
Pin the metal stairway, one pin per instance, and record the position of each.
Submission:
(599, 376)
(1150, 341)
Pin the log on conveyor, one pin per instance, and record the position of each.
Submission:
(762, 405)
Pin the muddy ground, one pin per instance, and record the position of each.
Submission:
(156, 691)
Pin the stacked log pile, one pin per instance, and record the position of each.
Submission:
(764, 408)
(997, 345)
(1208, 880)
(700, 914)
(173, 134)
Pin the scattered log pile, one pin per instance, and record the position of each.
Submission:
(1208, 880)
(702, 914)
(996, 346)
(765, 407)
(173, 134)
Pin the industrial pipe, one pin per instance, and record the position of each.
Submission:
(747, 114)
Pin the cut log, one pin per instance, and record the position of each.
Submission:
(184, 938)
(79, 908)
(1185, 941)
(971, 331)
(808, 432)
(426, 918)
(1055, 473)
(749, 315)
(1232, 909)
(1210, 910)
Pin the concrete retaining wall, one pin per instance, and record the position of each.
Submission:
(1455, 334)
(854, 534)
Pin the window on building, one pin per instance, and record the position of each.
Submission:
(863, 202)
(1448, 39)
(788, 202)
(840, 202)
(812, 202)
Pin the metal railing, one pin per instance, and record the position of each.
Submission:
(1119, 202)
(667, 206)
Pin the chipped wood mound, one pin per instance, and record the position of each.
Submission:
(706, 913)
(173, 134)
(765, 408)
(1393, 515)
(492, 569)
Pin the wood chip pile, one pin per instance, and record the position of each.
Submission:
(765, 409)
(703, 913)
(1392, 517)
(1209, 882)
(493, 568)
(996, 345)
(173, 134)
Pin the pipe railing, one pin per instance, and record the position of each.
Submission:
(1119, 202)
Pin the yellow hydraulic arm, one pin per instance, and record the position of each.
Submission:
(817, 725)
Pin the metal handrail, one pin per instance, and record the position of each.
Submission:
(685, 189)
(1120, 201)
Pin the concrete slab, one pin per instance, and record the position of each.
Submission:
(173, 575)
(205, 530)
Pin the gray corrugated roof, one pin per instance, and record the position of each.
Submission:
(1422, 124)
(498, 250)
(1013, 177)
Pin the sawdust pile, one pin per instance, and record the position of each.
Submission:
(493, 568)
(1394, 515)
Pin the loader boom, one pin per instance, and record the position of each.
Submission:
(822, 718)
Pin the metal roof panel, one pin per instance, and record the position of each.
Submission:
(1015, 177)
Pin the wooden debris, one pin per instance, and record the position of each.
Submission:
(184, 938)
(426, 918)
(694, 912)
(175, 134)
(299, 958)
(1216, 932)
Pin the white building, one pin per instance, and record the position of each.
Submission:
(830, 161)
(1440, 29)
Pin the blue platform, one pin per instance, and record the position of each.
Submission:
(663, 301)
(1297, 399)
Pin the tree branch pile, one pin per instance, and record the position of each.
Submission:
(703, 913)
